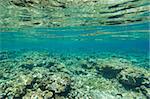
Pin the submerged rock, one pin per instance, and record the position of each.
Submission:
(110, 72)
(7, 54)
(38, 75)
(145, 91)
(59, 83)
(2, 90)
(131, 77)
(38, 94)
(88, 64)
(136, 79)
(96, 94)
(20, 3)
(19, 86)
(110, 68)
(48, 95)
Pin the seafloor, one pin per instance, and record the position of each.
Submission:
(81, 24)
(41, 74)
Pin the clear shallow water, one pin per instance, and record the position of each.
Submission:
(75, 62)
(135, 36)
(84, 58)
(132, 38)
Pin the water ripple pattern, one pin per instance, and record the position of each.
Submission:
(62, 13)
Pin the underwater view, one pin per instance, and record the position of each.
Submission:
(74, 49)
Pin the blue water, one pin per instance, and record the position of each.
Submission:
(125, 37)
(128, 40)
(26, 54)
(74, 49)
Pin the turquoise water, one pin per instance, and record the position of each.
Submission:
(124, 37)
(75, 62)
(100, 55)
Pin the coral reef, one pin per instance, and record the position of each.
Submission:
(129, 76)
(39, 74)
(134, 77)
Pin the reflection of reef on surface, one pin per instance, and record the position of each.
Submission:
(40, 74)
(62, 13)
